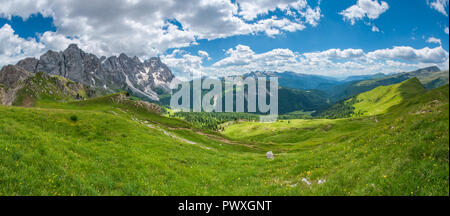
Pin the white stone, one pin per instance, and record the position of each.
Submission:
(269, 155)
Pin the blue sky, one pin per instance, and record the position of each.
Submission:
(405, 24)
(328, 37)
(36, 24)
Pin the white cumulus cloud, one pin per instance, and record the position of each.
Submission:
(336, 54)
(13, 48)
(371, 9)
(251, 9)
(203, 54)
(434, 40)
(375, 29)
(336, 62)
(424, 55)
(439, 5)
(147, 28)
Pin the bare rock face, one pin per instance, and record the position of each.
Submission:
(29, 64)
(79, 66)
(111, 74)
(2, 94)
(11, 75)
(12, 79)
(52, 63)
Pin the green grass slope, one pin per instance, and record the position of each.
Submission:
(100, 147)
(381, 99)
(402, 152)
(376, 101)
(105, 147)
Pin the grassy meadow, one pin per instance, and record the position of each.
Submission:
(98, 147)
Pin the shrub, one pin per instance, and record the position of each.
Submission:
(74, 118)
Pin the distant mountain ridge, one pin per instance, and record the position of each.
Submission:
(112, 74)
(289, 99)
(338, 89)
(430, 77)
(296, 80)
(364, 77)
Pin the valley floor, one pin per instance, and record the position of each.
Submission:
(97, 147)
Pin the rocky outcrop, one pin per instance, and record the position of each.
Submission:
(111, 74)
(2, 94)
(149, 107)
(122, 98)
(12, 76)
(20, 87)
(12, 79)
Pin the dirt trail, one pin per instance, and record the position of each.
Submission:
(210, 136)
(215, 137)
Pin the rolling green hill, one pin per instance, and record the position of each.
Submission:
(376, 101)
(382, 98)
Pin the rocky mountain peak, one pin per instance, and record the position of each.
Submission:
(431, 69)
(73, 47)
(136, 59)
(111, 74)
(123, 56)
